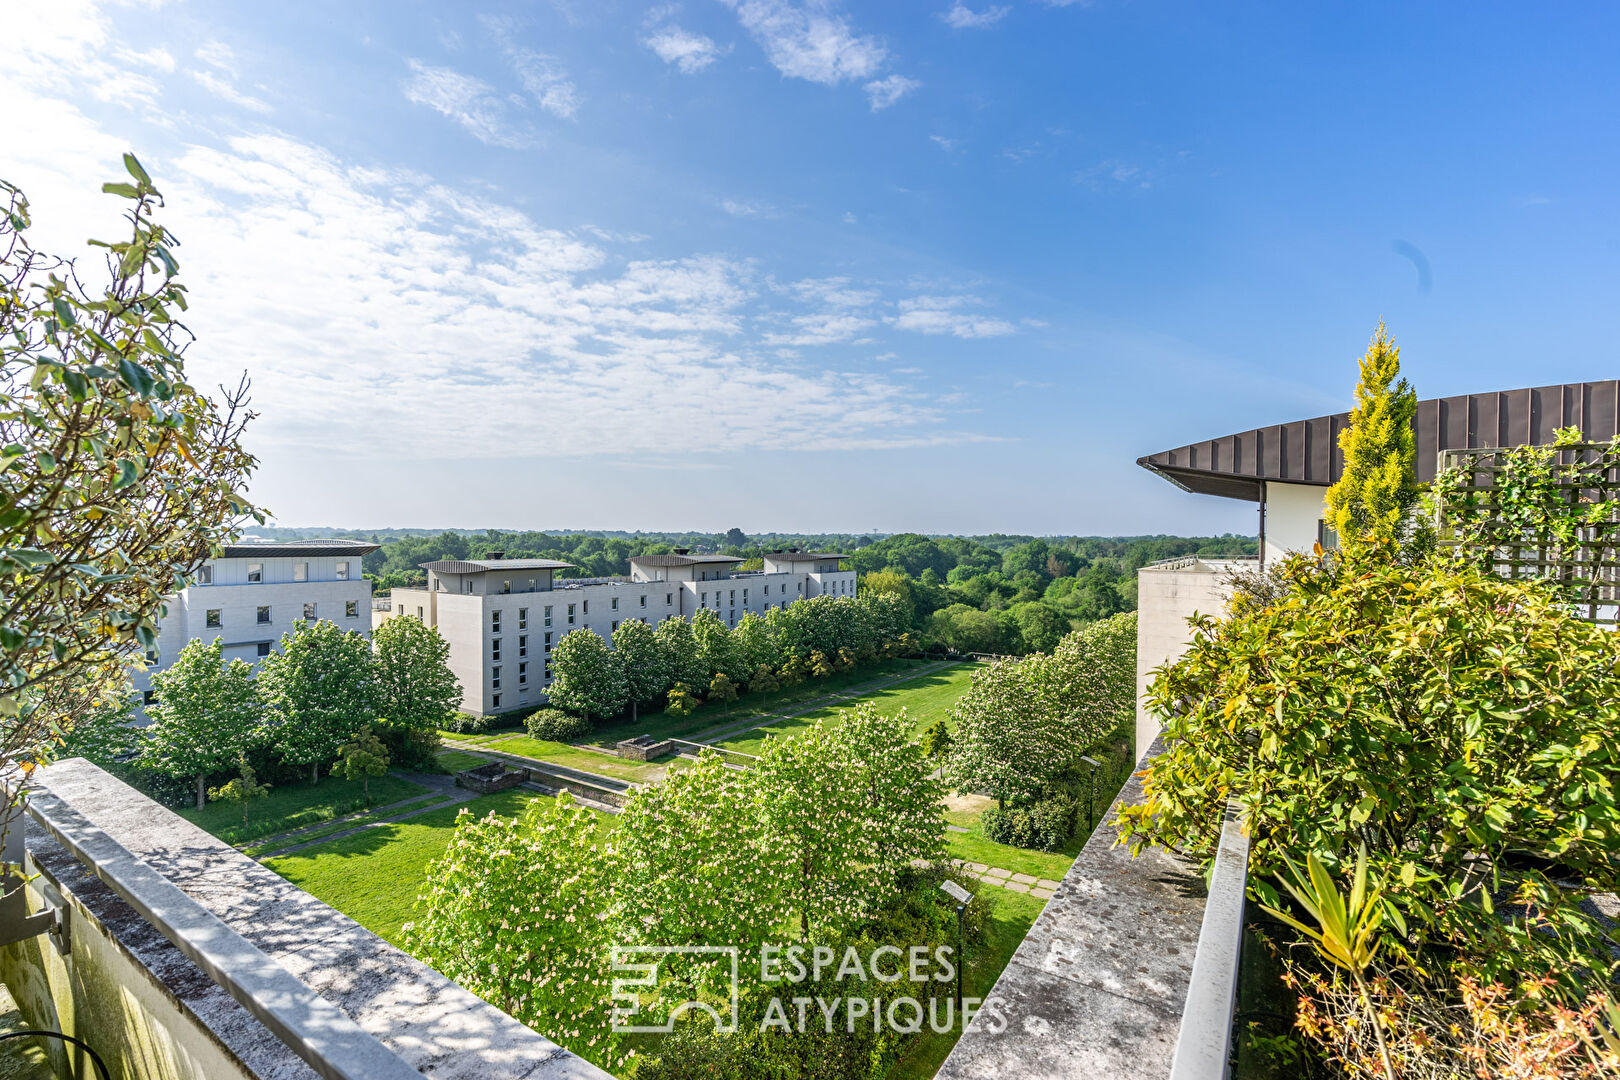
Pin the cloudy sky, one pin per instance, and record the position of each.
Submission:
(802, 265)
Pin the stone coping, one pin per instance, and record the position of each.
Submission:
(1097, 988)
(442, 1030)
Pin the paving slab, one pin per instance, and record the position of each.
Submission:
(1025, 879)
(996, 871)
(1016, 886)
(1040, 894)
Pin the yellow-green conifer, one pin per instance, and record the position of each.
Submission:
(1370, 507)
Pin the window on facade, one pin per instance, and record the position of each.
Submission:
(506, 586)
(263, 649)
(255, 572)
(669, 599)
(205, 575)
(152, 655)
(584, 607)
(495, 622)
(745, 596)
(548, 614)
(523, 674)
(614, 603)
(212, 619)
(309, 611)
(548, 641)
(264, 614)
(419, 613)
(523, 618)
(147, 697)
(300, 571)
(767, 590)
(615, 624)
(494, 678)
(570, 614)
(495, 702)
(495, 649)
(351, 609)
(523, 645)
(531, 584)
(644, 600)
(343, 570)
(705, 600)
(466, 586)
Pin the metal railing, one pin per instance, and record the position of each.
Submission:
(1204, 1044)
(313, 1028)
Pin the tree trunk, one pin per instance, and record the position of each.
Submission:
(314, 772)
(633, 712)
(202, 789)
(365, 787)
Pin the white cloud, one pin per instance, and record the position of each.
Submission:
(747, 208)
(946, 144)
(961, 17)
(469, 101)
(689, 52)
(159, 58)
(217, 54)
(547, 82)
(222, 89)
(1113, 173)
(942, 315)
(885, 92)
(810, 42)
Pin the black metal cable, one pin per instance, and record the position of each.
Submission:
(95, 1058)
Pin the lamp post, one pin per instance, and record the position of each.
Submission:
(961, 896)
(1091, 793)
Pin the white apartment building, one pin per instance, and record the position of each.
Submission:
(256, 592)
(502, 617)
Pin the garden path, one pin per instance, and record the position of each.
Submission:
(453, 796)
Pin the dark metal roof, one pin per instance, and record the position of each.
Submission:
(479, 566)
(1307, 451)
(802, 556)
(292, 549)
(682, 560)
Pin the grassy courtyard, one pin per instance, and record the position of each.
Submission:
(575, 758)
(926, 698)
(292, 806)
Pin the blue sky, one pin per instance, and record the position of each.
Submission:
(780, 264)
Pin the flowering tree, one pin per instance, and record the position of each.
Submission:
(714, 647)
(317, 693)
(415, 687)
(512, 912)
(899, 799)
(361, 758)
(646, 668)
(723, 690)
(680, 652)
(204, 716)
(689, 859)
(1088, 680)
(587, 676)
(754, 644)
(1007, 743)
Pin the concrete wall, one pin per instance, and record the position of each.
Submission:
(1166, 597)
(1293, 518)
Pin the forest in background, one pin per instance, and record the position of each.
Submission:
(997, 593)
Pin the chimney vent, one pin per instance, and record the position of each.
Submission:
(495, 555)
(680, 551)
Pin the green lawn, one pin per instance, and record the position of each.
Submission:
(349, 821)
(291, 806)
(1008, 917)
(926, 698)
(665, 725)
(575, 758)
(373, 877)
(460, 761)
(975, 848)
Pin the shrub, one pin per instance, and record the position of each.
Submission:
(468, 724)
(554, 725)
(1045, 825)
(1459, 726)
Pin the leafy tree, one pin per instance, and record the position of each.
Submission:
(792, 672)
(1371, 505)
(736, 538)
(107, 737)
(1089, 680)
(682, 701)
(1039, 626)
(204, 716)
(896, 582)
(1007, 742)
(117, 477)
(510, 911)
(691, 861)
(764, 682)
(414, 685)
(936, 740)
(646, 668)
(899, 799)
(587, 676)
(317, 692)
(244, 788)
(722, 689)
(753, 645)
(681, 652)
(360, 759)
(820, 666)
(713, 644)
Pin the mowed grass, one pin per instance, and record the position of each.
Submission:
(1008, 917)
(575, 758)
(926, 698)
(292, 806)
(709, 716)
(374, 877)
(459, 760)
(975, 848)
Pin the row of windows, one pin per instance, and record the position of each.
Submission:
(255, 573)
(584, 607)
(214, 618)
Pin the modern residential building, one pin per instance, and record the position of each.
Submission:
(254, 593)
(502, 617)
(1286, 469)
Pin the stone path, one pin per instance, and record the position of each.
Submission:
(1039, 888)
(456, 797)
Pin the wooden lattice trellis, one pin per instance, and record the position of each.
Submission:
(1528, 512)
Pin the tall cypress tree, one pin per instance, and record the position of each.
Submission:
(1370, 507)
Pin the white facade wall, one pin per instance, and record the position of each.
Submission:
(1165, 599)
(532, 623)
(1293, 518)
(234, 602)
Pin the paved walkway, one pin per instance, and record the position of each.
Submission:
(1039, 888)
(439, 783)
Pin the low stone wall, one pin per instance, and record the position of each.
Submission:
(644, 749)
(130, 993)
(488, 779)
(1098, 987)
(558, 782)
